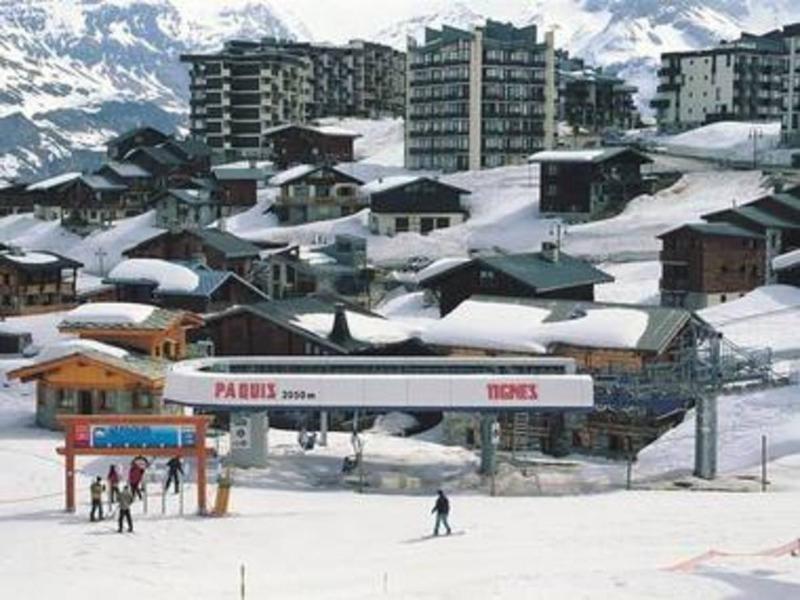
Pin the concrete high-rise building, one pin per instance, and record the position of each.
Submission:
(734, 81)
(480, 98)
(361, 79)
(239, 93)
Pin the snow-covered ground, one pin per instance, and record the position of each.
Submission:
(729, 141)
(299, 534)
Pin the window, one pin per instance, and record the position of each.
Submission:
(104, 402)
(401, 224)
(487, 279)
(552, 190)
(723, 298)
(142, 401)
(426, 225)
(442, 222)
(552, 169)
(65, 399)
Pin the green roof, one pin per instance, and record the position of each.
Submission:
(226, 243)
(160, 318)
(543, 274)
(663, 323)
(720, 228)
(755, 215)
(787, 200)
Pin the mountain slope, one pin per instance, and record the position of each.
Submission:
(74, 72)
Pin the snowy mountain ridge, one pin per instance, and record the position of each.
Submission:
(75, 72)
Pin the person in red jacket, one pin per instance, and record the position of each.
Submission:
(113, 483)
(136, 475)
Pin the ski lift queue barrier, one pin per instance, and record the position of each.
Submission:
(396, 383)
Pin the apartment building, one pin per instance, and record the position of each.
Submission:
(592, 100)
(242, 91)
(790, 130)
(362, 79)
(479, 98)
(740, 80)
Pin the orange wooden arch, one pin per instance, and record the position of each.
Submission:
(70, 451)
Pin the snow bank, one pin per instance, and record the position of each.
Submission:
(76, 346)
(759, 302)
(368, 329)
(728, 140)
(109, 312)
(786, 261)
(742, 421)
(517, 327)
(168, 277)
(387, 183)
(52, 182)
(394, 423)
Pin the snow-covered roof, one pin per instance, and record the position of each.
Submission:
(593, 155)
(387, 183)
(364, 328)
(440, 266)
(786, 261)
(51, 182)
(323, 129)
(534, 325)
(109, 312)
(168, 276)
(292, 173)
(127, 169)
(75, 346)
(31, 258)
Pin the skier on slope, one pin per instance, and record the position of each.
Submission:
(125, 501)
(96, 491)
(175, 472)
(442, 510)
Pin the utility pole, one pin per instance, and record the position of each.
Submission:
(101, 255)
(756, 133)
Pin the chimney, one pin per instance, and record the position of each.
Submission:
(340, 332)
(550, 251)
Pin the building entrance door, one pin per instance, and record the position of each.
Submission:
(85, 403)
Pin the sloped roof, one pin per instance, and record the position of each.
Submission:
(755, 215)
(37, 260)
(102, 184)
(659, 324)
(185, 196)
(534, 270)
(384, 184)
(321, 129)
(153, 370)
(160, 155)
(225, 242)
(716, 229)
(127, 169)
(591, 156)
(158, 320)
(301, 171)
(133, 133)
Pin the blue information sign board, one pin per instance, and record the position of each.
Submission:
(142, 436)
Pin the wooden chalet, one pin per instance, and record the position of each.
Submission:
(313, 325)
(36, 282)
(546, 274)
(161, 333)
(179, 208)
(315, 193)
(119, 147)
(213, 290)
(585, 184)
(703, 264)
(294, 144)
(15, 198)
(218, 249)
(92, 201)
(405, 203)
(339, 269)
